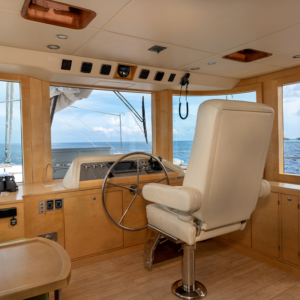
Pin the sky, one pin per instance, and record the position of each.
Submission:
(184, 130)
(106, 126)
(291, 111)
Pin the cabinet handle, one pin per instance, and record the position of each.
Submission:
(290, 199)
(94, 198)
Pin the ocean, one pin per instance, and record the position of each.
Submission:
(181, 150)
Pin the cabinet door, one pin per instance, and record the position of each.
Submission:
(265, 225)
(242, 236)
(87, 228)
(289, 228)
(9, 232)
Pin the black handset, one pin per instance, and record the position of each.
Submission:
(154, 165)
(185, 79)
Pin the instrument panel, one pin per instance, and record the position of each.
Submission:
(98, 170)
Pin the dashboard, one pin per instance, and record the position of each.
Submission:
(86, 170)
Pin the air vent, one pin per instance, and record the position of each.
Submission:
(247, 55)
(157, 49)
(56, 13)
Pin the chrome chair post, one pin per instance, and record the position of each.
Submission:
(188, 287)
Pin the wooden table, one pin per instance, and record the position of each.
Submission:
(33, 267)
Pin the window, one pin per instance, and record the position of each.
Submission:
(291, 128)
(184, 130)
(97, 122)
(11, 154)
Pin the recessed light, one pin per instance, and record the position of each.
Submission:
(53, 47)
(62, 36)
(296, 56)
(195, 68)
(212, 63)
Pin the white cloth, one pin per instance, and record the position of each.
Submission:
(67, 96)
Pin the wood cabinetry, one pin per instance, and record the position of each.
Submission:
(87, 229)
(274, 230)
(290, 228)
(265, 225)
(242, 236)
(9, 232)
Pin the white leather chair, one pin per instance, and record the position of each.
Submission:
(222, 184)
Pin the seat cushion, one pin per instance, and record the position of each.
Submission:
(166, 220)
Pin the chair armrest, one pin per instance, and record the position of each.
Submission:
(265, 189)
(176, 197)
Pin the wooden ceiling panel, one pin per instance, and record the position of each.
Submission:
(115, 47)
(26, 34)
(228, 68)
(212, 26)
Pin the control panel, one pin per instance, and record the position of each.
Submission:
(98, 170)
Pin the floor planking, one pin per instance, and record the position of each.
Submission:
(227, 275)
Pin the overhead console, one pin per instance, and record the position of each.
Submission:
(87, 171)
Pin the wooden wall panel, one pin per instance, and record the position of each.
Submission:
(265, 225)
(9, 232)
(243, 237)
(37, 129)
(162, 124)
(47, 127)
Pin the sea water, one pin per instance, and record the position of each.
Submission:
(181, 150)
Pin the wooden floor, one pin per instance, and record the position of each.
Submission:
(225, 273)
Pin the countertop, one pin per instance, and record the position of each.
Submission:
(31, 189)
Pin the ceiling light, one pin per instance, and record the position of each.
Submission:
(212, 63)
(53, 47)
(195, 68)
(296, 56)
(62, 36)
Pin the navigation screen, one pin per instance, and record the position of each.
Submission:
(123, 167)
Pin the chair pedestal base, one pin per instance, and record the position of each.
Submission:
(197, 292)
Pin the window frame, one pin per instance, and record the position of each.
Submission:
(277, 137)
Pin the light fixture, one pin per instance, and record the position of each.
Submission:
(296, 56)
(195, 68)
(62, 36)
(53, 47)
(212, 63)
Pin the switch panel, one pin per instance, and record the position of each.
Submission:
(42, 207)
(49, 205)
(59, 203)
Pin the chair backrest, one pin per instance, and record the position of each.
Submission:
(228, 158)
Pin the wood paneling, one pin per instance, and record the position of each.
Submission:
(9, 232)
(50, 221)
(265, 225)
(162, 124)
(26, 130)
(87, 228)
(47, 127)
(290, 228)
(242, 236)
(37, 129)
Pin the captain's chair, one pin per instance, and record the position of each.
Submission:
(222, 184)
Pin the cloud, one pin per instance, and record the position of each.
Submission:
(114, 121)
(131, 131)
(106, 131)
(175, 131)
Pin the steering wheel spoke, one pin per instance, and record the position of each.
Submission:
(127, 208)
(122, 186)
(134, 189)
